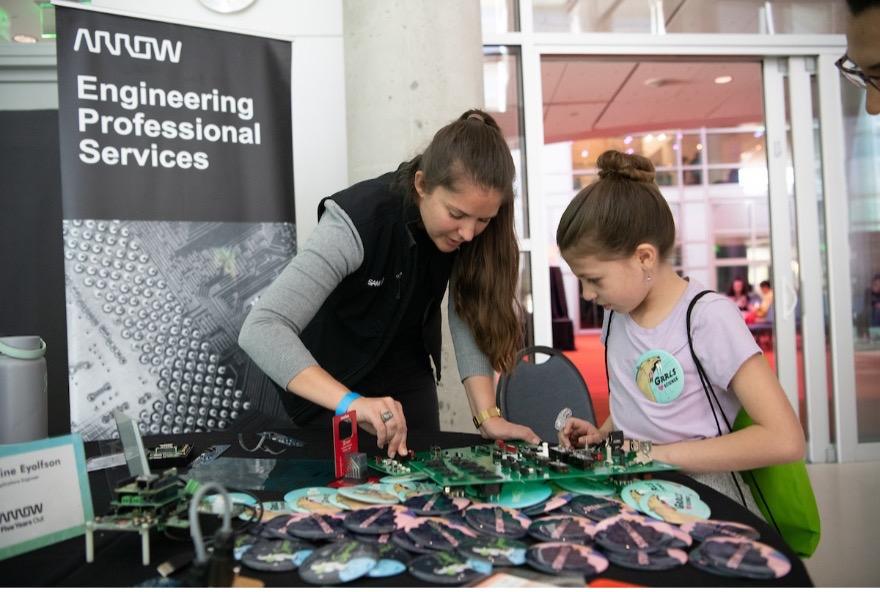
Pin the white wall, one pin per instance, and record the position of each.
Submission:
(28, 80)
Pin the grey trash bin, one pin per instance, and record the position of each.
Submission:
(23, 389)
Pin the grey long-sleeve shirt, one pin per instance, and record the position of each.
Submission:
(270, 334)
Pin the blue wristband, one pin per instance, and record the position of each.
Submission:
(346, 402)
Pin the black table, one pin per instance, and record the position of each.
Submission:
(118, 555)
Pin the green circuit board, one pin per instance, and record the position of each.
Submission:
(515, 463)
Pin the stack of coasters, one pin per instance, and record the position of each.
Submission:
(435, 504)
(665, 500)
(378, 520)
(499, 551)
(277, 555)
(566, 528)
(497, 521)
(564, 558)
(317, 527)
(703, 529)
(595, 507)
(739, 557)
(638, 542)
(448, 568)
(338, 563)
(549, 505)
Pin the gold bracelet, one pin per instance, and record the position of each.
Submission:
(481, 417)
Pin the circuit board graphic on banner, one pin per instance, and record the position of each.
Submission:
(177, 193)
(153, 312)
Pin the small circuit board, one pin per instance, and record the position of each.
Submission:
(518, 462)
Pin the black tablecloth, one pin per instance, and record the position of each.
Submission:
(118, 555)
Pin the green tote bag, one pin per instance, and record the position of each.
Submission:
(783, 492)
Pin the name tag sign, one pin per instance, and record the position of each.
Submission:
(44, 493)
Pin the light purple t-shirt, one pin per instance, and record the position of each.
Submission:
(656, 393)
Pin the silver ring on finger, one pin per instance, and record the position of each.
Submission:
(386, 416)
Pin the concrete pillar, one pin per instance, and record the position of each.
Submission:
(411, 67)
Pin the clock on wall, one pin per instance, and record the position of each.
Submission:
(226, 6)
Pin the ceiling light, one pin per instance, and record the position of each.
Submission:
(21, 38)
(699, 146)
(649, 138)
(662, 137)
(628, 140)
(629, 150)
(723, 79)
(585, 153)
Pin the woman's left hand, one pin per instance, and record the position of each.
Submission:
(498, 428)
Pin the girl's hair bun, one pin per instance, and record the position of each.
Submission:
(625, 166)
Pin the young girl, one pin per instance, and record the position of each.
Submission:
(353, 322)
(617, 235)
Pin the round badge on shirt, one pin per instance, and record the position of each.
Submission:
(659, 376)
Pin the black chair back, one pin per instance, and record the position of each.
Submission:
(534, 393)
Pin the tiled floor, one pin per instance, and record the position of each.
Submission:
(849, 505)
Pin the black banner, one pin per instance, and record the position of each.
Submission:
(177, 192)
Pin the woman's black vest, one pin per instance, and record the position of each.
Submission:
(355, 325)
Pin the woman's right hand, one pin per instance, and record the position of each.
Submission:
(391, 431)
(579, 433)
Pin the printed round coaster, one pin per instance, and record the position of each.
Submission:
(340, 562)
(701, 530)
(436, 533)
(626, 533)
(495, 521)
(521, 495)
(276, 507)
(557, 558)
(550, 505)
(402, 540)
(317, 527)
(243, 542)
(435, 504)
(587, 486)
(404, 478)
(277, 555)
(657, 561)
(632, 493)
(499, 551)
(371, 493)
(315, 495)
(276, 528)
(392, 561)
(595, 507)
(674, 507)
(737, 557)
(243, 505)
(565, 528)
(447, 568)
(375, 520)
(409, 489)
(344, 503)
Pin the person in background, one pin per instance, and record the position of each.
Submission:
(740, 292)
(861, 62)
(617, 236)
(762, 312)
(873, 301)
(353, 322)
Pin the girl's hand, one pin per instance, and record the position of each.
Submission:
(390, 429)
(498, 428)
(579, 433)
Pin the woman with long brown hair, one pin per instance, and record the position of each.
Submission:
(354, 321)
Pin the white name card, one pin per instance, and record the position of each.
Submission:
(44, 493)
